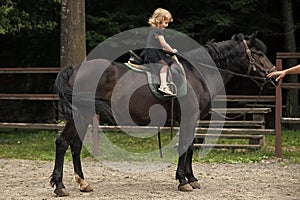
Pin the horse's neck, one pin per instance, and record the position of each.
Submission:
(215, 82)
(224, 54)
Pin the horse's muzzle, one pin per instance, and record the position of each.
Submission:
(272, 80)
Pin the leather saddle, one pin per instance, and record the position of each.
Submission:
(178, 84)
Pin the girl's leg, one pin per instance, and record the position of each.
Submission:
(163, 80)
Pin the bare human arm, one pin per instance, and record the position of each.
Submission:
(281, 74)
(167, 47)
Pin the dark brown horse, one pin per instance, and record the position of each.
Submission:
(244, 55)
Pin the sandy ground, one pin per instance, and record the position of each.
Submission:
(24, 179)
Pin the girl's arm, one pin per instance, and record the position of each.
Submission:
(165, 45)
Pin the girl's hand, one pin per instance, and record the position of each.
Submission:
(176, 59)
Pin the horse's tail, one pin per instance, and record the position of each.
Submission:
(64, 91)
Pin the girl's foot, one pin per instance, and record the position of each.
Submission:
(166, 90)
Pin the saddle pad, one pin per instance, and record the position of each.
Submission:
(181, 90)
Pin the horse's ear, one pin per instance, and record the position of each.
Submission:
(252, 37)
(238, 37)
(254, 41)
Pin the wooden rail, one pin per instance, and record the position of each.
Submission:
(229, 146)
(242, 110)
(235, 123)
(38, 97)
(245, 98)
(30, 70)
(284, 55)
(292, 120)
(256, 131)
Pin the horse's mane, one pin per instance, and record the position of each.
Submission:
(224, 53)
(199, 58)
(221, 54)
(227, 53)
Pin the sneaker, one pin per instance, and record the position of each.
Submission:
(166, 90)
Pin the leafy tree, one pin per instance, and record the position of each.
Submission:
(29, 32)
(16, 16)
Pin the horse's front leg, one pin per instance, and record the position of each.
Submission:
(193, 181)
(76, 147)
(180, 174)
(186, 138)
(62, 143)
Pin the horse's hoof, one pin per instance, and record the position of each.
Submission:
(88, 188)
(195, 185)
(185, 188)
(61, 192)
(82, 184)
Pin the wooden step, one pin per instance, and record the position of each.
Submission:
(294, 120)
(241, 110)
(229, 136)
(231, 123)
(229, 146)
(245, 98)
(235, 131)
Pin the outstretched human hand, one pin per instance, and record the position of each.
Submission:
(280, 74)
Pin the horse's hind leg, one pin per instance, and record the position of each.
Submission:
(76, 147)
(62, 143)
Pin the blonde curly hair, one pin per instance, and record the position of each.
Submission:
(159, 15)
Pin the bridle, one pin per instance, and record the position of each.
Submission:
(252, 66)
(252, 63)
(251, 59)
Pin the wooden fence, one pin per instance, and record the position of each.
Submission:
(253, 129)
(278, 117)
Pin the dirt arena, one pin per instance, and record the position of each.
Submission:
(24, 179)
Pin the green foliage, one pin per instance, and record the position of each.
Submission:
(29, 15)
(29, 33)
(106, 24)
(39, 22)
(11, 18)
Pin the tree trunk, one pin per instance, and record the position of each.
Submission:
(73, 45)
(290, 46)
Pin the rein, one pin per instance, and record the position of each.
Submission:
(244, 113)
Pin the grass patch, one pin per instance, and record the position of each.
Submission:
(40, 145)
(135, 144)
(290, 150)
(31, 145)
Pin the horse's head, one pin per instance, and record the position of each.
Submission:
(253, 59)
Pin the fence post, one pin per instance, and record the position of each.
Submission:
(278, 114)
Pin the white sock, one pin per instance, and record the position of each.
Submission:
(163, 79)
